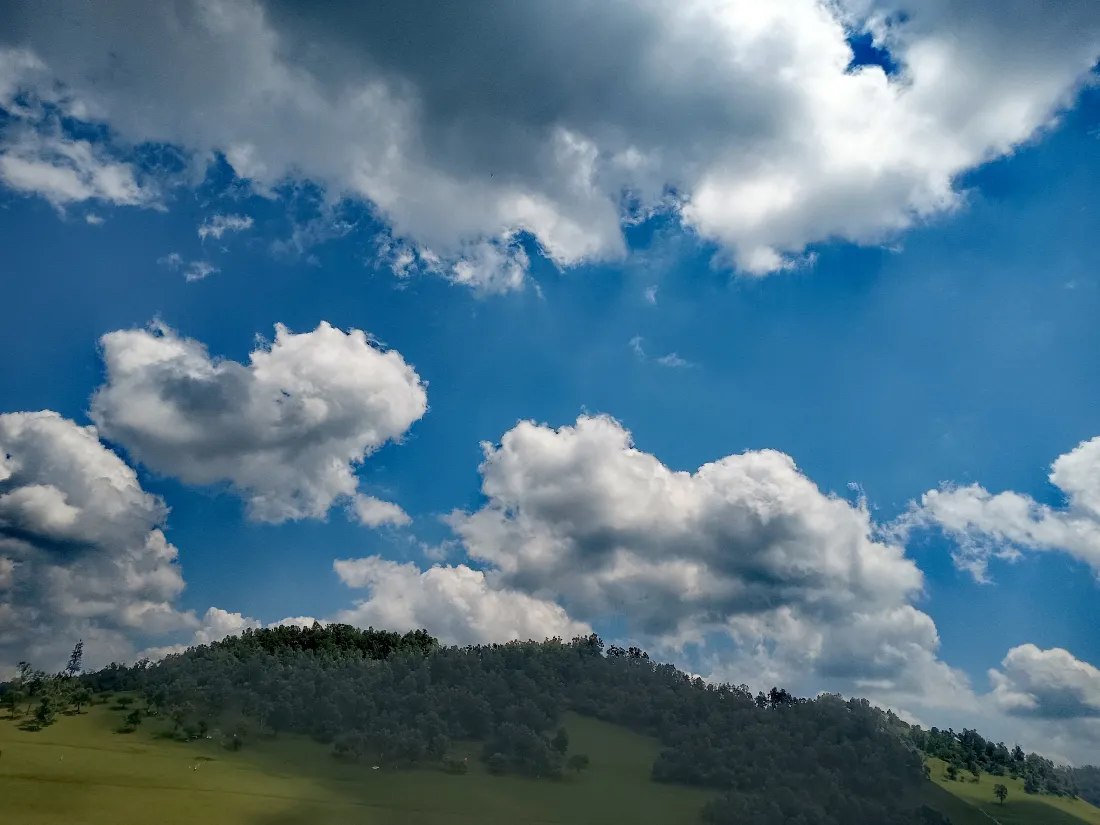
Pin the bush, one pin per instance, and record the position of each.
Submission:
(458, 766)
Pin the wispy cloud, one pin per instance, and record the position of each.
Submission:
(650, 293)
(192, 270)
(671, 360)
(217, 225)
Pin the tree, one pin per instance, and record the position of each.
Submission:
(45, 714)
(578, 762)
(12, 699)
(76, 660)
(133, 719)
(560, 742)
(1001, 792)
(80, 697)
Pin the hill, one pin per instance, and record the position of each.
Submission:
(1019, 807)
(332, 705)
(81, 770)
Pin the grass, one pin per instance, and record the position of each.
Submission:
(1019, 808)
(80, 772)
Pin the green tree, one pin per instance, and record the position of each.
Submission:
(45, 714)
(13, 699)
(80, 697)
(1001, 792)
(578, 762)
(76, 660)
(133, 719)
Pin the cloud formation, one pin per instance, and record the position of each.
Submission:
(458, 604)
(82, 551)
(217, 225)
(745, 547)
(988, 526)
(745, 120)
(286, 431)
(1046, 684)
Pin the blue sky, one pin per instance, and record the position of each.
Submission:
(954, 345)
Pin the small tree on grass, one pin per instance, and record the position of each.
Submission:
(12, 700)
(578, 762)
(133, 719)
(1001, 792)
(80, 697)
(45, 714)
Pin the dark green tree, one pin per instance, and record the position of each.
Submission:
(578, 762)
(1001, 792)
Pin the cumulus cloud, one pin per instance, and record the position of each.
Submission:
(986, 526)
(287, 430)
(1047, 684)
(82, 552)
(217, 225)
(745, 119)
(216, 625)
(745, 547)
(457, 604)
(373, 512)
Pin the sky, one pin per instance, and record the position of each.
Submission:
(761, 336)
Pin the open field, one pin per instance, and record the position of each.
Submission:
(1019, 808)
(80, 772)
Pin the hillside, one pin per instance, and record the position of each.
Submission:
(529, 731)
(80, 770)
(1019, 807)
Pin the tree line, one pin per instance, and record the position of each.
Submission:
(405, 700)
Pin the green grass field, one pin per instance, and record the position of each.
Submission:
(1019, 808)
(80, 772)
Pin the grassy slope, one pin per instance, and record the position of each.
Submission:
(79, 772)
(1019, 808)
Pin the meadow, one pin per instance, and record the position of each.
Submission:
(80, 771)
(1019, 808)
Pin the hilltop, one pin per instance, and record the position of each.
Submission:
(526, 712)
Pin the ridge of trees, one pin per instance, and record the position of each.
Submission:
(970, 752)
(405, 700)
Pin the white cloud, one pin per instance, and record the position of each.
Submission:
(173, 260)
(1048, 684)
(217, 225)
(674, 360)
(986, 526)
(93, 219)
(192, 270)
(637, 346)
(82, 552)
(287, 430)
(746, 110)
(373, 512)
(197, 270)
(458, 604)
(650, 293)
(66, 171)
(746, 547)
(216, 625)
